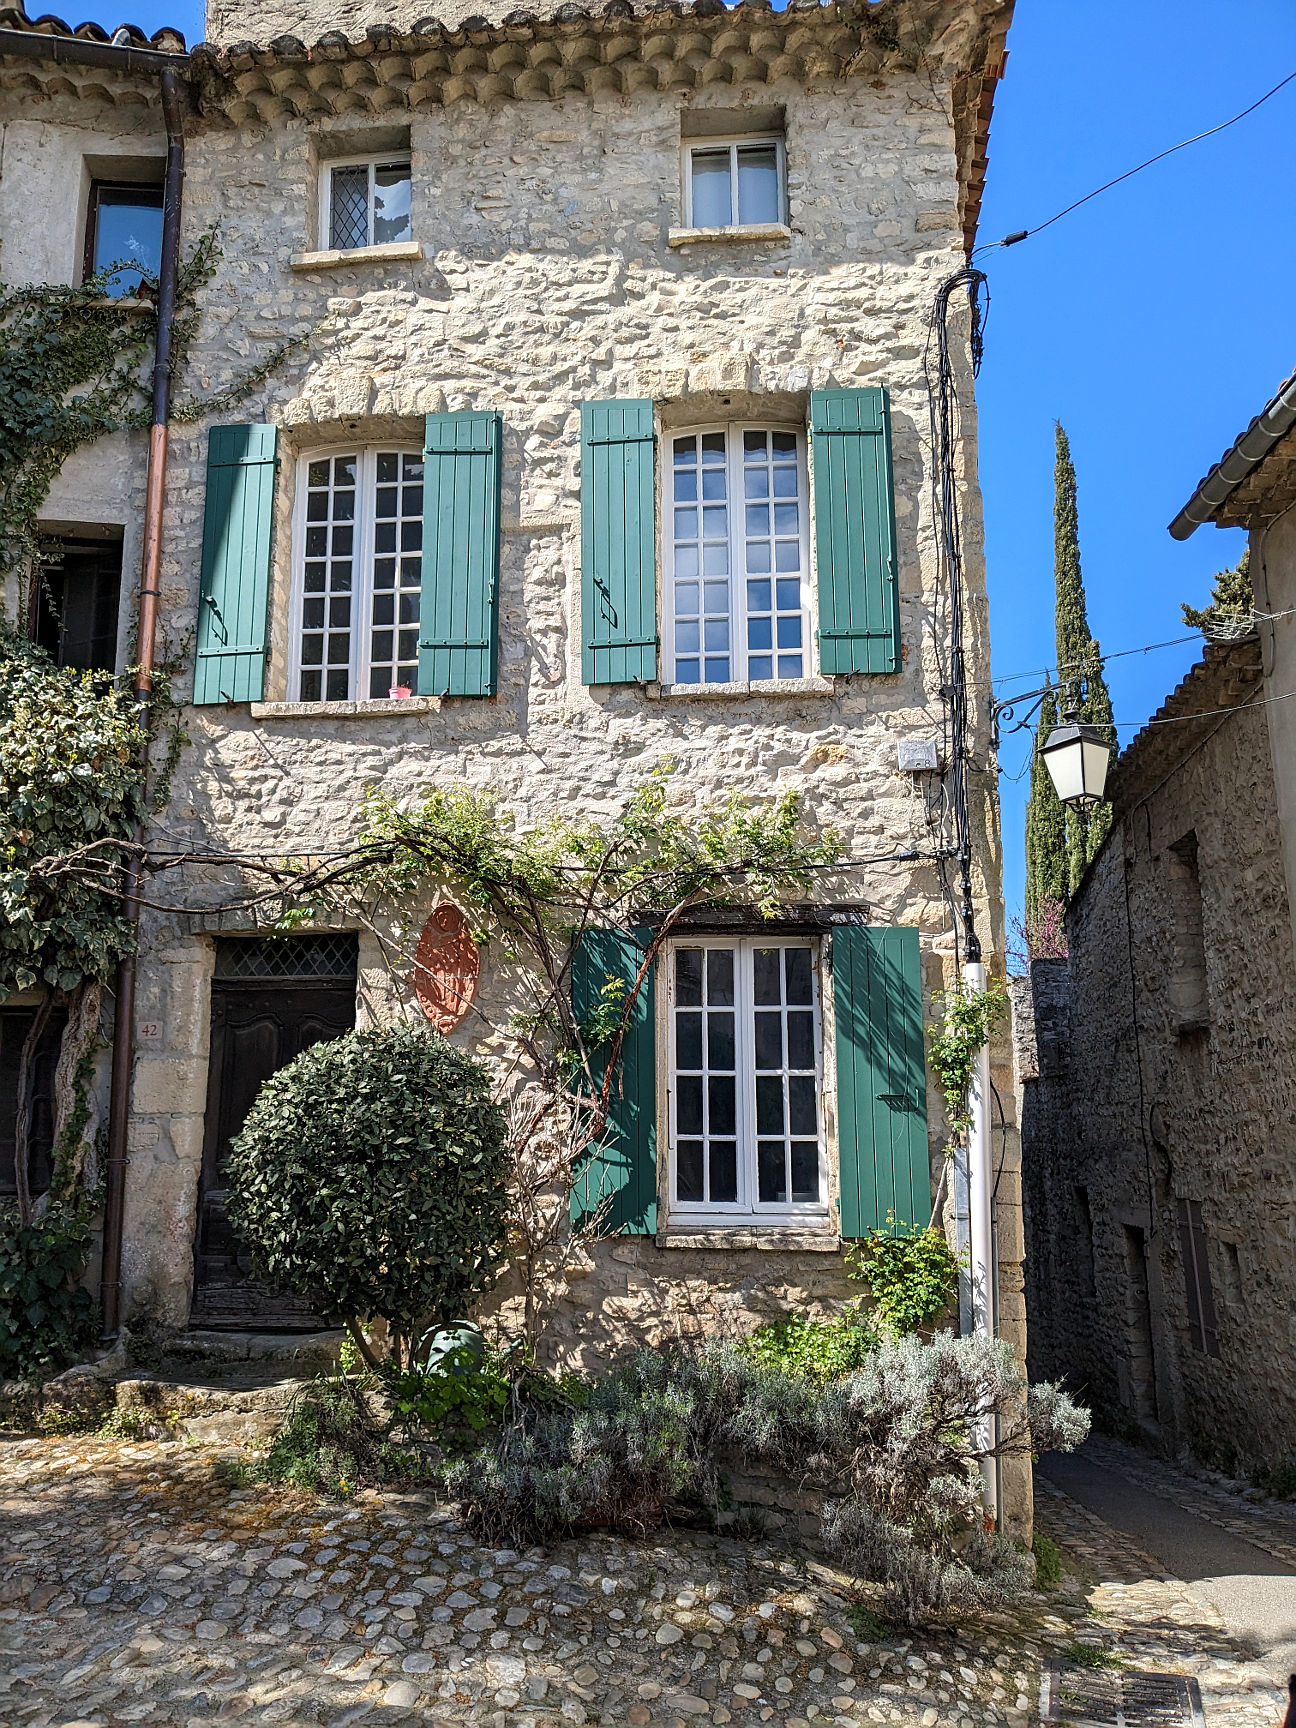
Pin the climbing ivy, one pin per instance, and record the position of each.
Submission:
(953, 1046)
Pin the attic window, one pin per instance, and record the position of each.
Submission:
(734, 183)
(366, 202)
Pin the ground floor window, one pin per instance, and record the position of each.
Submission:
(745, 1088)
(15, 1024)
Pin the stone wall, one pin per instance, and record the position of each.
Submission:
(1139, 1105)
(50, 151)
(542, 272)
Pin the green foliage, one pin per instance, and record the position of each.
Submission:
(46, 1316)
(370, 1177)
(894, 1439)
(1090, 1656)
(952, 1047)
(454, 1385)
(600, 1025)
(1232, 598)
(819, 1349)
(1046, 845)
(1048, 1560)
(913, 1277)
(71, 776)
(329, 1444)
(1080, 674)
(867, 1626)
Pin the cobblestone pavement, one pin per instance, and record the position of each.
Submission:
(137, 1586)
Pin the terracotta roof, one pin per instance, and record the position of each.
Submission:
(1256, 475)
(555, 46)
(1226, 676)
(164, 41)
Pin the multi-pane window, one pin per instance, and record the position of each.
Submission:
(360, 568)
(734, 184)
(744, 1040)
(738, 556)
(366, 203)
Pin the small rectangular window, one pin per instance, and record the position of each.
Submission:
(734, 183)
(1189, 994)
(124, 229)
(737, 556)
(745, 1065)
(1203, 1332)
(366, 202)
(75, 601)
(359, 571)
(15, 1025)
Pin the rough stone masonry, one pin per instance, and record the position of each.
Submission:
(546, 266)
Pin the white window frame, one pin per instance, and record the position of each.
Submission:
(383, 159)
(747, 1209)
(733, 432)
(734, 143)
(362, 563)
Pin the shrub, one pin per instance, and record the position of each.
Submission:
(820, 1349)
(455, 1384)
(370, 1177)
(896, 1438)
(46, 1317)
(913, 1277)
(1048, 1560)
(330, 1444)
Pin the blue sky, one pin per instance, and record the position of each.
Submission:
(1153, 323)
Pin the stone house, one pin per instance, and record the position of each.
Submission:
(569, 286)
(1159, 1108)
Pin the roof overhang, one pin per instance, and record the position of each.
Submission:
(1216, 492)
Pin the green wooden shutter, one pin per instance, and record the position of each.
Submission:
(235, 588)
(459, 608)
(854, 514)
(881, 1078)
(618, 543)
(625, 1169)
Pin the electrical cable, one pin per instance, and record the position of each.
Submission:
(945, 430)
(1021, 234)
(1123, 653)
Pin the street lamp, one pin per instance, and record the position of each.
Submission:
(1077, 756)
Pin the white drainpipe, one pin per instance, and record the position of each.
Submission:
(981, 1227)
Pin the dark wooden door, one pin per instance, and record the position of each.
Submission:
(256, 1029)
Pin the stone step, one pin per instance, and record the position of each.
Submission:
(203, 1386)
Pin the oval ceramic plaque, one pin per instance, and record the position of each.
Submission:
(446, 963)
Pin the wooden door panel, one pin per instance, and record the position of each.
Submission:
(256, 1030)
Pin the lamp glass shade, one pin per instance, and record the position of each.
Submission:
(1077, 757)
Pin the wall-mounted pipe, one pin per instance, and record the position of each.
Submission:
(123, 1045)
(75, 50)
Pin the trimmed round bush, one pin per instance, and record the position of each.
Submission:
(370, 1177)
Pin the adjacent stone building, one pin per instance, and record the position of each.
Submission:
(646, 290)
(1158, 1076)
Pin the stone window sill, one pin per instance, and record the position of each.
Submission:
(345, 710)
(744, 687)
(399, 250)
(120, 302)
(733, 1238)
(750, 231)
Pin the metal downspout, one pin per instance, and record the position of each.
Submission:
(123, 1045)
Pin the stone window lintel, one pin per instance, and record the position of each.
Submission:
(658, 692)
(380, 705)
(817, 1238)
(336, 257)
(751, 232)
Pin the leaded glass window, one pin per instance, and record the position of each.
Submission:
(366, 203)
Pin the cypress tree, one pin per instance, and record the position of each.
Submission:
(1060, 843)
(1080, 675)
(1046, 853)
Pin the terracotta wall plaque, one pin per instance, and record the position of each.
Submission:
(446, 964)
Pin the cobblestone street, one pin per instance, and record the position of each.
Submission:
(139, 1587)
